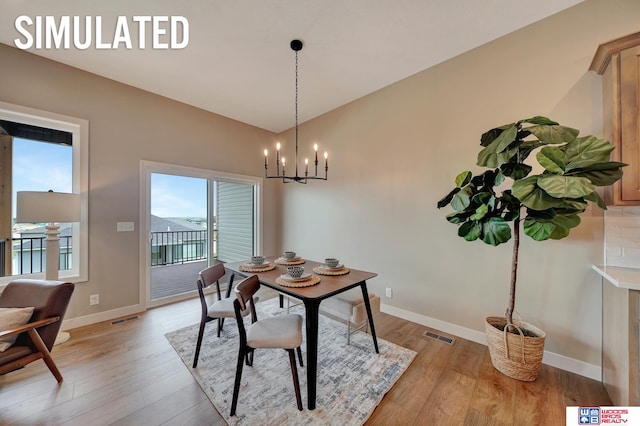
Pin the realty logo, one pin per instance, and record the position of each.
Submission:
(589, 415)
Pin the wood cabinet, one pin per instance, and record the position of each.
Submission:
(618, 62)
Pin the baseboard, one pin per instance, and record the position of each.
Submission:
(555, 360)
(76, 322)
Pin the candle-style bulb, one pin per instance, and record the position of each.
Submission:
(315, 147)
(325, 155)
(282, 161)
(278, 146)
(265, 152)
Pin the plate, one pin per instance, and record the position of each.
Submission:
(253, 265)
(305, 276)
(295, 259)
(329, 268)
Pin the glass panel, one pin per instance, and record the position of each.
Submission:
(179, 233)
(28, 174)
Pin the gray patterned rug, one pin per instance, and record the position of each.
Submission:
(352, 379)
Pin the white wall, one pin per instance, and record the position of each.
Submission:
(395, 153)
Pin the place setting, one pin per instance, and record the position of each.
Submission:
(289, 258)
(297, 277)
(257, 264)
(331, 266)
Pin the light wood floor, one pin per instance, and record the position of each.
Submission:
(128, 374)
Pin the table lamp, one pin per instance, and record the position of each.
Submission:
(52, 208)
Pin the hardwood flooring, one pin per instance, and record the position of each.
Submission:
(128, 374)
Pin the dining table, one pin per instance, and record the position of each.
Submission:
(311, 296)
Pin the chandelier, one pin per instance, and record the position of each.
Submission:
(296, 46)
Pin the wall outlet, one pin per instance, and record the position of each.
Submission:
(94, 299)
(389, 293)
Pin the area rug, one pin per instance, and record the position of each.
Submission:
(352, 379)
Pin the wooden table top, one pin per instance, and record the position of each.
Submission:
(329, 284)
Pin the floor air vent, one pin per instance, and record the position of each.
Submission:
(121, 320)
(447, 340)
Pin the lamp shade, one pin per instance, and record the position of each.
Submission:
(47, 207)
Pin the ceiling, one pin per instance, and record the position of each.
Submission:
(238, 62)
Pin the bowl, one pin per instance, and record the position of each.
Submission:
(295, 271)
(289, 254)
(257, 260)
(331, 262)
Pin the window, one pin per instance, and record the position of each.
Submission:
(41, 151)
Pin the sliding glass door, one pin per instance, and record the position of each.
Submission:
(192, 217)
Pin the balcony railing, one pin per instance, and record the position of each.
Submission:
(174, 247)
(167, 248)
(29, 255)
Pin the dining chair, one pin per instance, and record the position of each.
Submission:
(217, 310)
(278, 332)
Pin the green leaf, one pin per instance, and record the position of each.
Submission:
(480, 212)
(553, 134)
(461, 199)
(552, 159)
(539, 230)
(595, 197)
(491, 135)
(538, 119)
(493, 155)
(599, 176)
(565, 186)
(530, 195)
(587, 151)
(459, 217)
(470, 231)
(482, 198)
(527, 146)
(447, 198)
(516, 171)
(463, 178)
(564, 223)
(496, 231)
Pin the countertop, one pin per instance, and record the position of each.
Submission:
(620, 277)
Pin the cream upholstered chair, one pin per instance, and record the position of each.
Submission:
(349, 306)
(279, 332)
(218, 310)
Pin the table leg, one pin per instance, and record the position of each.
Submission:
(312, 313)
(365, 297)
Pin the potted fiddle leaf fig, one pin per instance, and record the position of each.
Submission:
(546, 205)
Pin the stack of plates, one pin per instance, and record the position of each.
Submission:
(329, 268)
(288, 278)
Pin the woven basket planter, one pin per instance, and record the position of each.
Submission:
(516, 356)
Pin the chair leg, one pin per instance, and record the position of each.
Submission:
(198, 344)
(300, 356)
(294, 373)
(46, 356)
(249, 357)
(220, 322)
(236, 385)
(348, 332)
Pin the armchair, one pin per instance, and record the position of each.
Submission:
(35, 338)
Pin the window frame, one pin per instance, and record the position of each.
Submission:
(79, 128)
